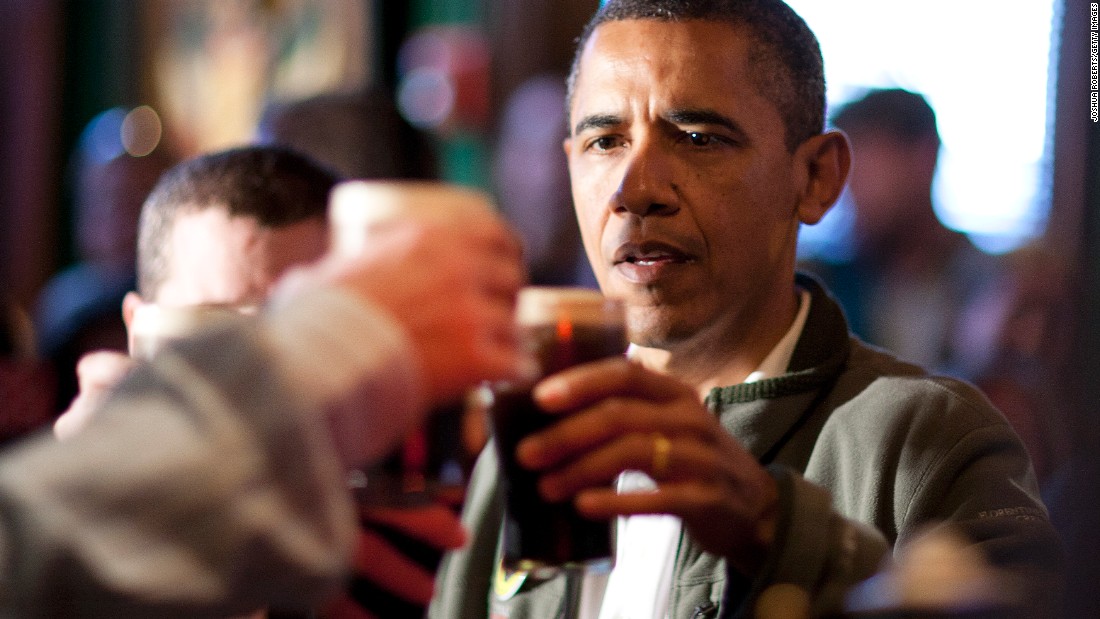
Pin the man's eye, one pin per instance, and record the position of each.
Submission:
(700, 139)
(603, 143)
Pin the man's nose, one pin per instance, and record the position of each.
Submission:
(648, 187)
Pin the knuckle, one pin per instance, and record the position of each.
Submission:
(606, 426)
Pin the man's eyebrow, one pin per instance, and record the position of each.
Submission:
(705, 117)
(597, 121)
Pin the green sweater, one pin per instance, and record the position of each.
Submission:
(867, 451)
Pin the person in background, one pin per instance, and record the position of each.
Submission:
(772, 460)
(1016, 346)
(77, 309)
(928, 294)
(212, 480)
(909, 278)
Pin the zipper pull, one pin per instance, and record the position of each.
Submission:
(705, 611)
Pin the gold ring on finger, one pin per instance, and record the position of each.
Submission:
(661, 449)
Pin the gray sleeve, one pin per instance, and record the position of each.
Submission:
(204, 487)
(983, 488)
(816, 549)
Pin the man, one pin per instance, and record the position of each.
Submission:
(221, 229)
(778, 450)
(212, 480)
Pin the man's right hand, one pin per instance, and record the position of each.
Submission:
(97, 373)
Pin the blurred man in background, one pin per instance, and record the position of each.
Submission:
(909, 278)
(217, 229)
(359, 134)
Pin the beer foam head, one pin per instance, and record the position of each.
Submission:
(357, 206)
(540, 305)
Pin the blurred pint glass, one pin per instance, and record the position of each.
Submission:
(434, 461)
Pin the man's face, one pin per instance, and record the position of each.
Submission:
(215, 258)
(686, 194)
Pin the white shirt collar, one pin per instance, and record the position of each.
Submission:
(779, 358)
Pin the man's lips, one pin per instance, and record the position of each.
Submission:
(649, 253)
(645, 263)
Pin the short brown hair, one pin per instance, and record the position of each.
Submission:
(275, 185)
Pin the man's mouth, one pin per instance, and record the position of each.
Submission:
(648, 262)
(650, 253)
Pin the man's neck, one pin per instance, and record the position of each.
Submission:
(723, 354)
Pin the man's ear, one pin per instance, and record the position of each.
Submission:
(825, 160)
(130, 303)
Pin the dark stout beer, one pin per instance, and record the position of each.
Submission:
(563, 327)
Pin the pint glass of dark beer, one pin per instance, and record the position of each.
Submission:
(563, 327)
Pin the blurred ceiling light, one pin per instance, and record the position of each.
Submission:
(141, 131)
(101, 139)
(116, 131)
(426, 98)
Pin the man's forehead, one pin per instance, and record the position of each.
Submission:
(689, 64)
(218, 258)
(200, 220)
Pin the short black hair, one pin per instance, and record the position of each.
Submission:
(274, 185)
(897, 112)
(786, 66)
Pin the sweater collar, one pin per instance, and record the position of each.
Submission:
(819, 355)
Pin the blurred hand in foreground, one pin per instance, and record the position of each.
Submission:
(451, 285)
(97, 373)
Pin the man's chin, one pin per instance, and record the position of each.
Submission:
(654, 326)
